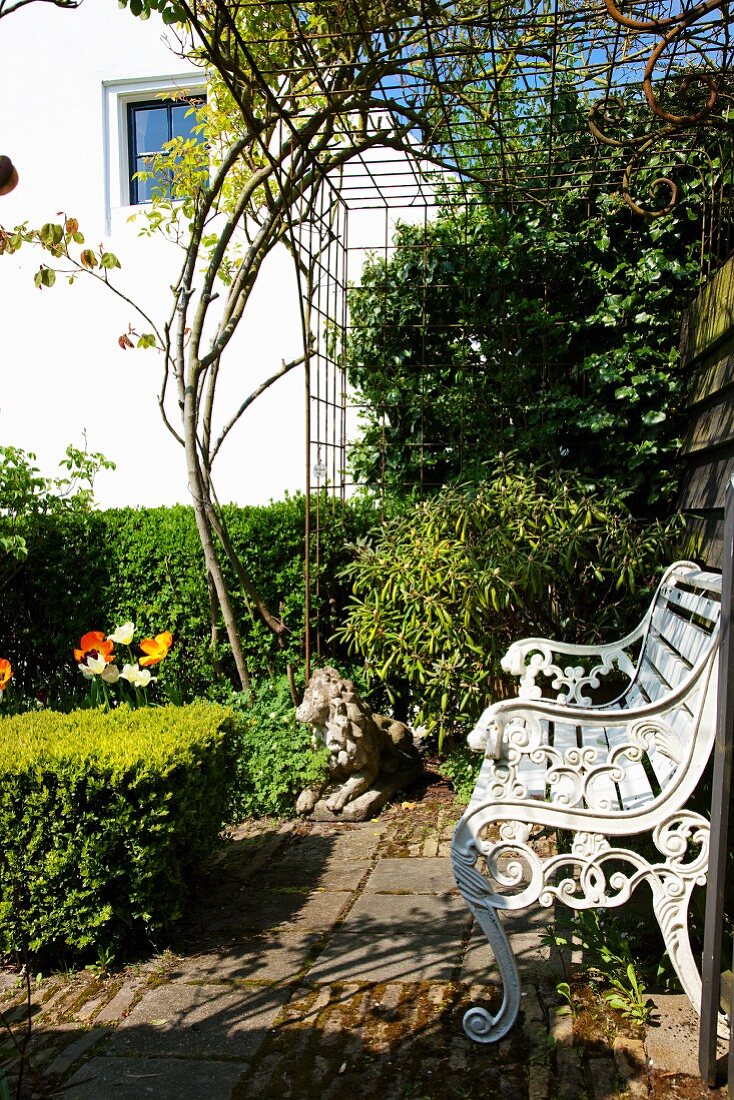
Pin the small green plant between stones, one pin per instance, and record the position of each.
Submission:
(564, 990)
(608, 951)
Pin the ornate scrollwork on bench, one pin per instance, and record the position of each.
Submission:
(604, 774)
(534, 658)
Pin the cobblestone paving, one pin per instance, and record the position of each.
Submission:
(327, 962)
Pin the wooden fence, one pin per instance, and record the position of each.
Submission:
(707, 349)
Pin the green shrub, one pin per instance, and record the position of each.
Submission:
(96, 570)
(461, 766)
(550, 329)
(102, 818)
(449, 584)
(275, 757)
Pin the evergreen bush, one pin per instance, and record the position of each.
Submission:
(275, 758)
(447, 585)
(95, 570)
(103, 816)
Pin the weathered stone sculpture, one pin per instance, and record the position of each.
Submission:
(370, 756)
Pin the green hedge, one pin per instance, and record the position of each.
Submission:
(275, 757)
(95, 571)
(102, 818)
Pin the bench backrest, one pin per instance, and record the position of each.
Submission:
(678, 654)
(681, 635)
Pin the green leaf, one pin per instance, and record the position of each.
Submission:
(51, 234)
(45, 276)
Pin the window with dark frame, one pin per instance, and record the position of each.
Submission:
(150, 125)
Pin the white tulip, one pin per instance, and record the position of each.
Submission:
(123, 635)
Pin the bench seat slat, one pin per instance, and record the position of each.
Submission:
(603, 787)
(533, 775)
(634, 697)
(651, 678)
(635, 789)
(695, 603)
(689, 640)
(703, 580)
(563, 736)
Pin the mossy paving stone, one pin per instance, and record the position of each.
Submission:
(678, 1086)
(387, 1040)
(411, 824)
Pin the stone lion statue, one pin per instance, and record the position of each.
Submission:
(370, 756)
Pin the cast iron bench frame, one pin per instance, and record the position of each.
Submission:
(602, 773)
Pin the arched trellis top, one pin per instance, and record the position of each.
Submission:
(517, 100)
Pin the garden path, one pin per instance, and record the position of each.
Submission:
(335, 963)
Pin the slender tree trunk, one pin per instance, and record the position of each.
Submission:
(214, 618)
(203, 510)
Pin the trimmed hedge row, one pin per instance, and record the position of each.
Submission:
(102, 819)
(95, 571)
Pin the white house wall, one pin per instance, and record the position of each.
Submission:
(61, 369)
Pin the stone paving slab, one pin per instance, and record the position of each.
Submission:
(335, 874)
(259, 911)
(153, 1079)
(116, 1008)
(347, 842)
(80, 1046)
(403, 956)
(198, 1021)
(419, 875)
(379, 914)
(275, 958)
(534, 959)
(672, 1037)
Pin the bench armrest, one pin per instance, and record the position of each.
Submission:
(533, 657)
(488, 735)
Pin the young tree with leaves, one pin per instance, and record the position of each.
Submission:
(294, 95)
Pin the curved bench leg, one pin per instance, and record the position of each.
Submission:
(672, 884)
(479, 1024)
(672, 917)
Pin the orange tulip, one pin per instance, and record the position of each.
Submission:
(6, 673)
(94, 644)
(155, 648)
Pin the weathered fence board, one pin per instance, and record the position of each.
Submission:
(707, 351)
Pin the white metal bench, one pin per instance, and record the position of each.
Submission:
(604, 773)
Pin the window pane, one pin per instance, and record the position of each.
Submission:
(144, 187)
(181, 123)
(150, 129)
